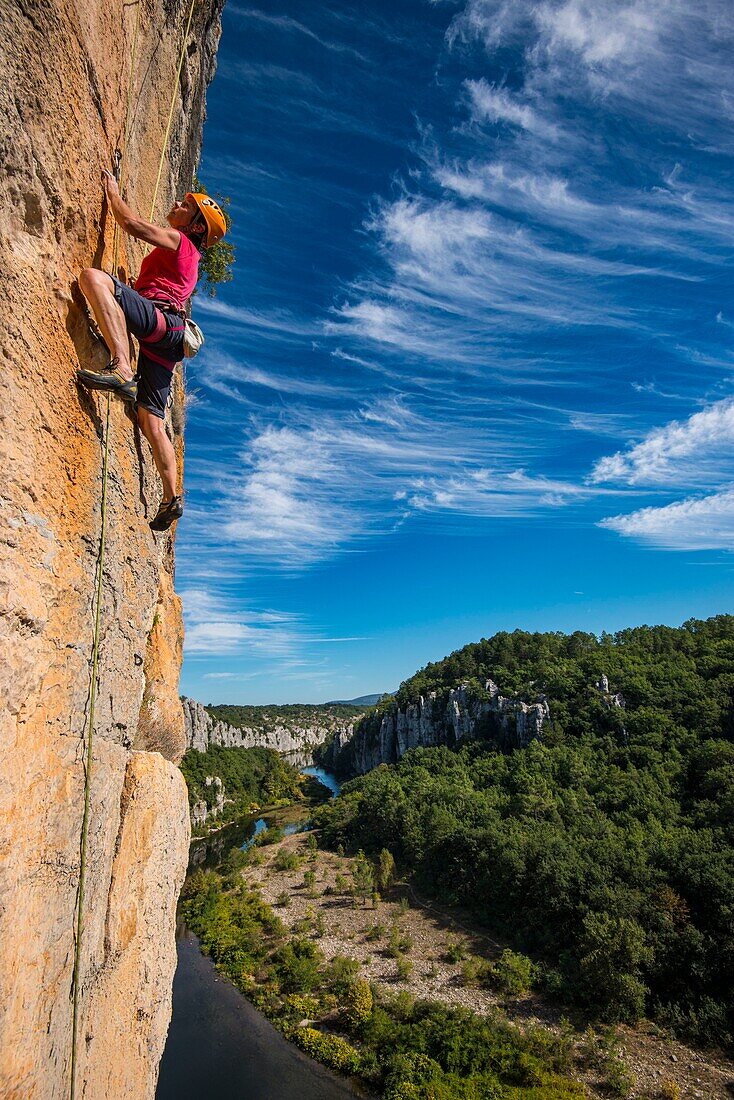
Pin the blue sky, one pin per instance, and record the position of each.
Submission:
(474, 371)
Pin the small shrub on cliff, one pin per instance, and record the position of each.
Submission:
(455, 950)
(319, 926)
(297, 965)
(217, 262)
(300, 1006)
(341, 974)
(385, 870)
(400, 942)
(474, 971)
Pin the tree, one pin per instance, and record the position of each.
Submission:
(385, 870)
(364, 877)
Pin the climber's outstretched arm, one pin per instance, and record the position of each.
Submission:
(129, 221)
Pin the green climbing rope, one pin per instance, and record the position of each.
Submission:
(121, 164)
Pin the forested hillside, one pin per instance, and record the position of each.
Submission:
(287, 714)
(604, 849)
(249, 777)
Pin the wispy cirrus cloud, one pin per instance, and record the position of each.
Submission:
(490, 103)
(217, 626)
(289, 24)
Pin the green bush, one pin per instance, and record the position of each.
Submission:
(358, 1003)
(456, 950)
(512, 974)
(475, 971)
(331, 1050)
(404, 968)
(340, 975)
(286, 860)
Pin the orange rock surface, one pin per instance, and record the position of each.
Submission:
(66, 69)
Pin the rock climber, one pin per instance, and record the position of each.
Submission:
(154, 313)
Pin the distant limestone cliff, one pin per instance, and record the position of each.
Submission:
(287, 729)
(438, 718)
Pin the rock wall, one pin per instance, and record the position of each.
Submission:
(202, 730)
(201, 811)
(63, 98)
(435, 720)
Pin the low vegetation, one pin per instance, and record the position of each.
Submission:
(402, 1048)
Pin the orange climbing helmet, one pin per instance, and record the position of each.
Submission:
(212, 215)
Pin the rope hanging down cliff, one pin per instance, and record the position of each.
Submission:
(119, 173)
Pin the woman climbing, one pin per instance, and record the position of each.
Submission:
(154, 313)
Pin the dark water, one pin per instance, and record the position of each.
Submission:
(210, 850)
(219, 1047)
(328, 779)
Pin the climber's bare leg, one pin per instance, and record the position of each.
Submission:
(164, 455)
(99, 290)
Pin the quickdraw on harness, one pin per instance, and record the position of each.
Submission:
(120, 166)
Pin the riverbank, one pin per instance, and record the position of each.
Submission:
(431, 955)
(222, 1048)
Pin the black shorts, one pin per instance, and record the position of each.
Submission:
(157, 357)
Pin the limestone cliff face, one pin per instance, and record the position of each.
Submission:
(436, 720)
(203, 730)
(63, 98)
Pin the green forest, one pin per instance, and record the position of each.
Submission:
(604, 850)
(287, 714)
(250, 777)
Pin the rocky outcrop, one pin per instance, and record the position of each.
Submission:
(436, 720)
(614, 700)
(63, 100)
(203, 730)
(201, 811)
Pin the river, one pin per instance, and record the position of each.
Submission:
(219, 1046)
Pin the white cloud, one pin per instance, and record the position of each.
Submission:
(287, 23)
(281, 323)
(599, 33)
(491, 493)
(696, 524)
(285, 505)
(694, 451)
(214, 626)
(489, 103)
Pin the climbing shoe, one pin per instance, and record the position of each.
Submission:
(109, 379)
(168, 513)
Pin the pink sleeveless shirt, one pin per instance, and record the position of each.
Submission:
(170, 274)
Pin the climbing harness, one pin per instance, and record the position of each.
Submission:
(120, 165)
